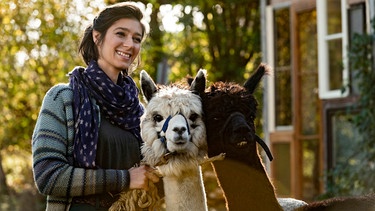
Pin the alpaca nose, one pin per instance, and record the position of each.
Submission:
(179, 130)
(242, 129)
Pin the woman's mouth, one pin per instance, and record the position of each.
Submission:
(126, 55)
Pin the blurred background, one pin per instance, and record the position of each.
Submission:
(316, 110)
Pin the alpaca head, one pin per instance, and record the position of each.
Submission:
(230, 111)
(172, 127)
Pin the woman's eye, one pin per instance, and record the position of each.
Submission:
(137, 40)
(120, 34)
(158, 118)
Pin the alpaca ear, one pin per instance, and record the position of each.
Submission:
(148, 86)
(199, 83)
(252, 83)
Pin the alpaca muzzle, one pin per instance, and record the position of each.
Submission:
(241, 133)
(179, 134)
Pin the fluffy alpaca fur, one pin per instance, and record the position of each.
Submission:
(360, 203)
(230, 111)
(137, 200)
(185, 144)
(242, 175)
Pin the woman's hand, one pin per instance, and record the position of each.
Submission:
(140, 176)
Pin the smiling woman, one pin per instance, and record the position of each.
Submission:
(90, 128)
(120, 46)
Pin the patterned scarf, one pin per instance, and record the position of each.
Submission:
(118, 103)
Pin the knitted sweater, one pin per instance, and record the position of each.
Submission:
(52, 150)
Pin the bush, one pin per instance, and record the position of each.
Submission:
(357, 178)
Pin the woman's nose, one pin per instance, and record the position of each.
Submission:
(128, 42)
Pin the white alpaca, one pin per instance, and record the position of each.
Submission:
(174, 138)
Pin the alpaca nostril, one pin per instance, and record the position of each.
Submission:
(243, 129)
(179, 130)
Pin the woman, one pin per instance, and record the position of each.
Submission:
(87, 136)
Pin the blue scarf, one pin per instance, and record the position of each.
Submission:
(118, 103)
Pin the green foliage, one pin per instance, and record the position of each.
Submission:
(38, 47)
(357, 176)
(23, 196)
(188, 53)
(233, 29)
(227, 43)
(152, 50)
(40, 40)
(228, 40)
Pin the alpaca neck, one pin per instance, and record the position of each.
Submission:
(185, 193)
(245, 187)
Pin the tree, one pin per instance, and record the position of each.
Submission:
(230, 36)
(38, 47)
(227, 44)
(40, 39)
(233, 29)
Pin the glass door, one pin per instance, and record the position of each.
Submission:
(307, 103)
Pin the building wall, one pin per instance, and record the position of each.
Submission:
(304, 113)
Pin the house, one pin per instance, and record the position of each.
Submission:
(307, 98)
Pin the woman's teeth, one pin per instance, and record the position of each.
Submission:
(123, 54)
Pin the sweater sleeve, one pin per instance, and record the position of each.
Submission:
(52, 152)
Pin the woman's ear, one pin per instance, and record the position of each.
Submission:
(95, 36)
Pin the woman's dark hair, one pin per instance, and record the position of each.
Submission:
(105, 20)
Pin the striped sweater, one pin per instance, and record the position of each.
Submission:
(52, 151)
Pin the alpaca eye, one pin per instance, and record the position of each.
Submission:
(193, 117)
(158, 118)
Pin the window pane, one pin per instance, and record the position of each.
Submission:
(309, 102)
(310, 164)
(281, 168)
(307, 72)
(344, 136)
(335, 64)
(344, 139)
(334, 16)
(283, 81)
(357, 25)
(283, 97)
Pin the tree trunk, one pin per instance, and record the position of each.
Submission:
(3, 183)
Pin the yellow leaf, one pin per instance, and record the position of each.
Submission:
(6, 20)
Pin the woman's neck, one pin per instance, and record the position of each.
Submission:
(112, 73)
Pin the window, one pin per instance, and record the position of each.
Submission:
(283, 68)
(281, 168)
(357, 25)
(332, 47)
(343, 138)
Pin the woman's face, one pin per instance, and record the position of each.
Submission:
(120, 46)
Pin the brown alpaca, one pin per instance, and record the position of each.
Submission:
(230, 111)
(360, 203)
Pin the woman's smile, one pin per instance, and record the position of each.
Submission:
(120, 47)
